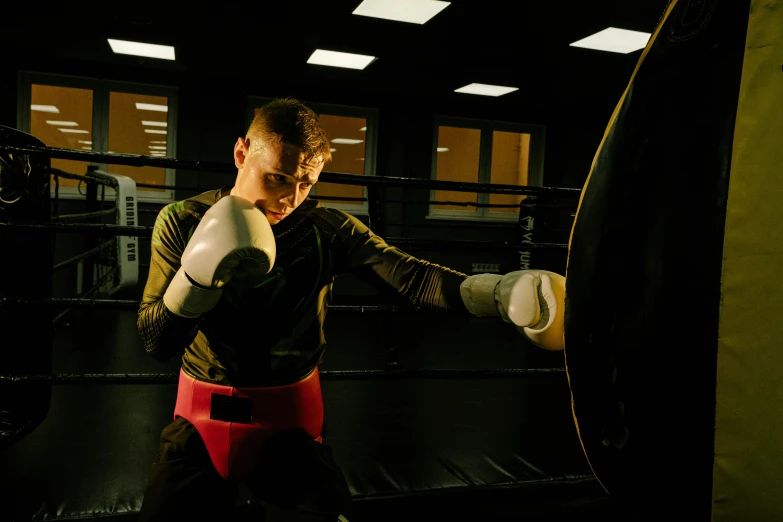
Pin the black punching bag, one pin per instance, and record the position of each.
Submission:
(643, 283)
(25, 272)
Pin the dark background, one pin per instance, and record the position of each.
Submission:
(227, 52)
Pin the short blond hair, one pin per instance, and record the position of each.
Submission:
(288, 120)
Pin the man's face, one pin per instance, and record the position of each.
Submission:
(275, 177)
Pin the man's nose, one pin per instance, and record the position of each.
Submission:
(292, 198)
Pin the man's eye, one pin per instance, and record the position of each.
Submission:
(278, 178)
(306, 185)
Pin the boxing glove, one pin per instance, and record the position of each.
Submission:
(533, 300)
(233, 240)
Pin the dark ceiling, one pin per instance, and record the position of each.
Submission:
(513, 43)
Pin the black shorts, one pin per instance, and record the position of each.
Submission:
(296, 479)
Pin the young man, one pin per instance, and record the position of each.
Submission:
(240, 279)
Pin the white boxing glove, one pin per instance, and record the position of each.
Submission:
(534, 300)
(234, 239)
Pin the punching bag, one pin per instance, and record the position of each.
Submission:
(674, 293)
(25, 272)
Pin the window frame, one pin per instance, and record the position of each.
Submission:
(102, 90)
(370, 115)
(487, 127)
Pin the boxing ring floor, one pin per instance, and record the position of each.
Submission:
(505, 447)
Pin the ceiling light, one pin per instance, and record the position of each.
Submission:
(363, 129)
(486, 90)
(63, 123)
(359, 159)
(332, 150)
(164, 52)
(614, 40)
(161, 142)
(338, 59)
(345, 141)
(154, 131)
(411, 11)
(86, 148)
(442, 149)
(157, 147)
(152, 107)
(85, 142)
(73, 131)
(45, 108)
(154, 123)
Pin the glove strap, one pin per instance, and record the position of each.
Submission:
(478, 294)
(186, 299)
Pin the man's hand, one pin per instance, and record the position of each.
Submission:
(234, 239)
(533, 300)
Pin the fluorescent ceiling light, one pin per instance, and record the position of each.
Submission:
(73, 131)
(161, 142)
(332, 150)
(345, 141)
(85, 142)
(359, 159)
(86, 148)
(338, 59)
(363, 129)
(163, 52)
(45, 108)
(411, 11)
(486, 90)
(442, 149)
(614, 40)
(152, 107)
(157, 147)
(154, 123)
(62, 123)
(154, 131)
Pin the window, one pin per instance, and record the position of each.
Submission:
(96, 115)
(478, 151)
(351, 131)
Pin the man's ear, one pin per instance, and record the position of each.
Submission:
(241, 152)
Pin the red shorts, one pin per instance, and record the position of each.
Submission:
(235, 422)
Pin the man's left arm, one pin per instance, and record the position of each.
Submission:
(427, 286)
(533, 300)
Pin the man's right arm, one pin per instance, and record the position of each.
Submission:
(164, 333)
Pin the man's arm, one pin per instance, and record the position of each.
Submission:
(426, 285)
(164, 333)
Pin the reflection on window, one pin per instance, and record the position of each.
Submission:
(138, 125)
(349, 145)
(510, 160)
(457, 160)
(61, 117)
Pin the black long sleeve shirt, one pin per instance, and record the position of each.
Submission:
(273, 334)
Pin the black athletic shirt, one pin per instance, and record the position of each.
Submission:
(273, 334)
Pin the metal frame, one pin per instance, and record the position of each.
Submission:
(370, 151)
(535, 166)
(100, 121)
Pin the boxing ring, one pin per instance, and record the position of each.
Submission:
(665, 405)
(466, 416)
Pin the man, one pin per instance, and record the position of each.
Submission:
(240, 278)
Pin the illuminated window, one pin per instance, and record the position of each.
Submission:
(351, 132)
(93, 115)
(134, 130)
(61, 117)
(483, 152)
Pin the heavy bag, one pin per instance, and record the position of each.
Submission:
(643, 280)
